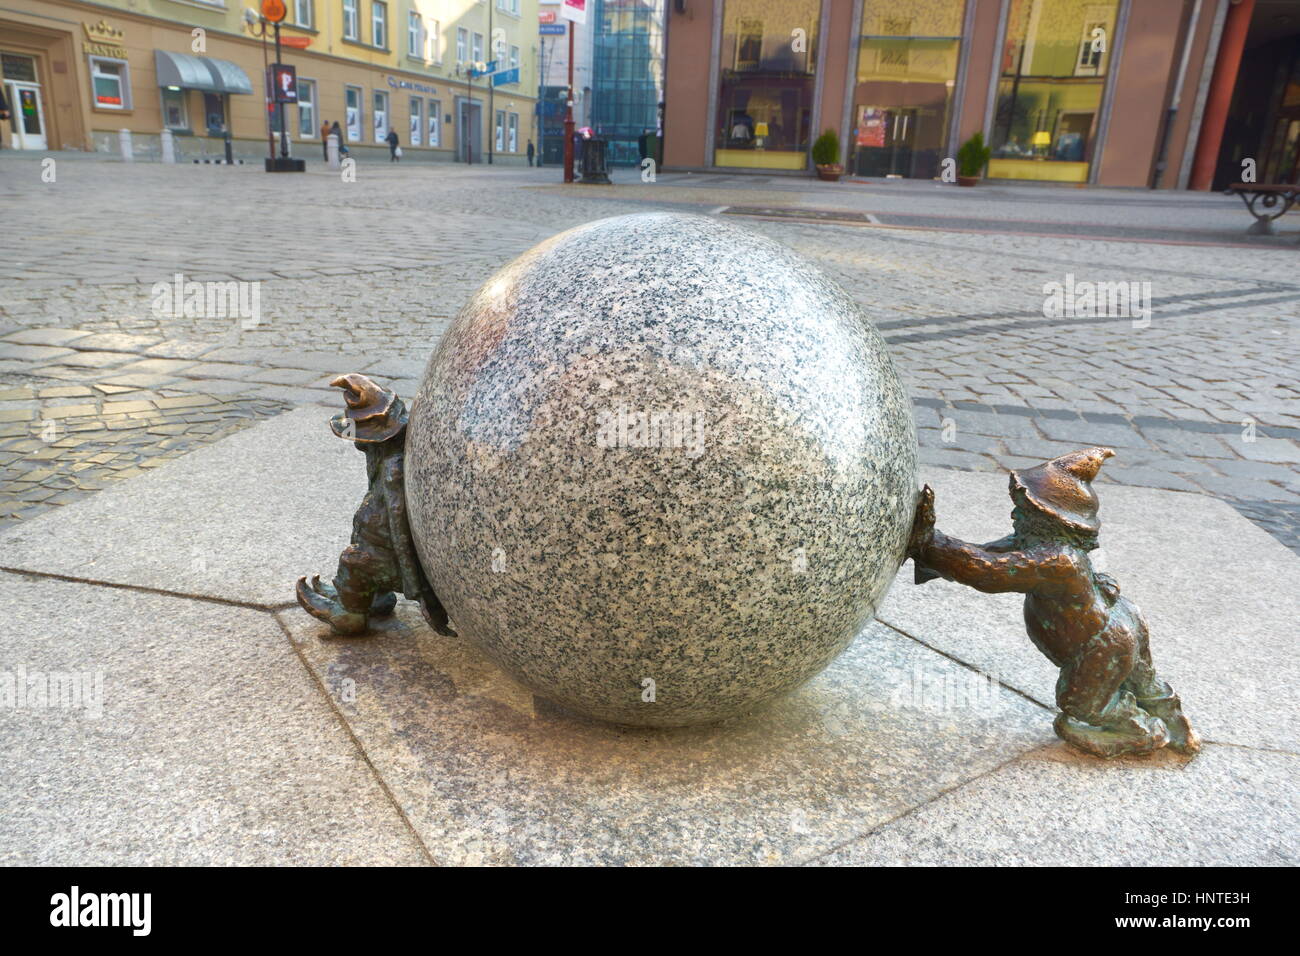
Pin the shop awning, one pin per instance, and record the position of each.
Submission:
(200, 73)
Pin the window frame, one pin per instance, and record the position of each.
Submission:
(352, 7)
(123, 84)
(361, 114)
(379, 24)
(181, 95)
(434, 128)
(313, 128)
(499, 131)
(381, 131)
(310, 5)
(415, 35)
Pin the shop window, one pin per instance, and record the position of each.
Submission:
(175, 115)
(307, 109)
(765, 93)
(379, 114)
(417, 121)
(512, 143)
(435, 122)
(353, 112)
(907, 65)
(351, 20)
(1053, 75)
(111, 83)
(500, 138)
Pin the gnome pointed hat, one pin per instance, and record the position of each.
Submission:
(373, 413)
(1062, 487)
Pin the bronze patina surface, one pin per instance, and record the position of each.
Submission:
(381, 559)
(1112, 702)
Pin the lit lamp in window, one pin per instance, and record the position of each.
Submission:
(760, 134)
(1042, 139)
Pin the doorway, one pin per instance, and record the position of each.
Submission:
(469, 133)
(26, 115)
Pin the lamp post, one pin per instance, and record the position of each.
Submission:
(273, 12)
(568, 116)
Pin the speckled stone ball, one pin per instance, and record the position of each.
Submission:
(661, 470)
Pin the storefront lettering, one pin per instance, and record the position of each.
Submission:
(410, 85)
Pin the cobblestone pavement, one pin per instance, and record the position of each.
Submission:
(365, 276)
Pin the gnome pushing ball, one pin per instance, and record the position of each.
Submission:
(1111, 700)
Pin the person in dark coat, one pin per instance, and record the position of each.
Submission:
(4, 110)
(531, 152)
(336, 131)
(392, 145)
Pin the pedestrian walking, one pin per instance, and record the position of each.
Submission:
(336, 131)
(531, 151)
(4, 111)
(325, 129)
(394, 151)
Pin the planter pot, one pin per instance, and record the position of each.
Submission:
(830, 174)
(967, 180)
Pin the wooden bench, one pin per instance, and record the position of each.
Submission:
(1266, 202)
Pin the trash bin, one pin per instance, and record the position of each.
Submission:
(593, 162)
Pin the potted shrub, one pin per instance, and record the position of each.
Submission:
(826, 156)
(971, 160)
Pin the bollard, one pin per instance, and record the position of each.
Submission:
(332, 150)
(230, 150)
(124, 144)
(168, 146)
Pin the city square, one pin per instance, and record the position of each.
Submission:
(160, 467)
(710, 433)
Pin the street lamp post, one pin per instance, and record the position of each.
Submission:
(568, 116)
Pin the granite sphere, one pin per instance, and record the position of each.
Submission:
(661, 469)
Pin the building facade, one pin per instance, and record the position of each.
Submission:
(1137, 93)
(628, 76)
(80, 72)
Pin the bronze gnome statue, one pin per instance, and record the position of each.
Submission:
(1112, 702)
(381, 558)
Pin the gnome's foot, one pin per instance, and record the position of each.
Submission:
(321, 602)
(1136, 735)
(1170, 710)
(384, 604)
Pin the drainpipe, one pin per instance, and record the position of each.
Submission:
(1163, 152)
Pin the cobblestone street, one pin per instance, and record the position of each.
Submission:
(97, 382)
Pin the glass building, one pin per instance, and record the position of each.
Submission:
(627, 76)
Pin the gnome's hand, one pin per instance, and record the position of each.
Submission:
(922, 523)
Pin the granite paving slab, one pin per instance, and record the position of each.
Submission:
(199, 739)
(1231, 806)
(1218, 593)
(238, 520)
(490, 774)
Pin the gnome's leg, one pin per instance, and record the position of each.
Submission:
(1098, 714)
(1156, 697)
(366, 580)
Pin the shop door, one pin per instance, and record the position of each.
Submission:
(26, 117)
(469, 139)
(886, 139)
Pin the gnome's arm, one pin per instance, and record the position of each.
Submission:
(399, 528)
(992, 571)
